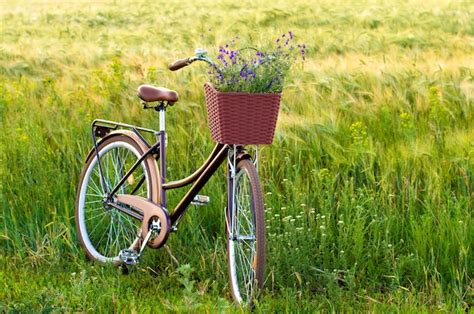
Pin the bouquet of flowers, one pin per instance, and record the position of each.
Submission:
(255, 71)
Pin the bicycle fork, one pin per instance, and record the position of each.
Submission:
(235, 154)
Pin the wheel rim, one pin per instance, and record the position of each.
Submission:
(242, 241)
(106, 231)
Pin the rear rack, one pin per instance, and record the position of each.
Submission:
(100, 128)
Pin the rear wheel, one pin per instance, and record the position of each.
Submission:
(104, 231)
(246, 234)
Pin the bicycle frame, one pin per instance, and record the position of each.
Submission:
(198, 178)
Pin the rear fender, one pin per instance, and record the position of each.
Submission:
(150, 161)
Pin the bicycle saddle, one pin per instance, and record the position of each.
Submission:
(151, 93)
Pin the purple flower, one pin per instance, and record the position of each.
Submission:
(291, 34)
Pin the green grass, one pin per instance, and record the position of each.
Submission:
(369, 183)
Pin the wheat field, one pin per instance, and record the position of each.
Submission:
(369, 184)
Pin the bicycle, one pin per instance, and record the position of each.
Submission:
(121, 204)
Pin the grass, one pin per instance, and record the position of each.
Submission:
(369, 183)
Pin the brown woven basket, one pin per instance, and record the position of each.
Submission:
(241, 118)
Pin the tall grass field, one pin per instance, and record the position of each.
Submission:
(369, 183)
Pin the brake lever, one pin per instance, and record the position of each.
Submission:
(201, 55)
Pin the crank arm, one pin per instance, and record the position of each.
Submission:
(130, 256)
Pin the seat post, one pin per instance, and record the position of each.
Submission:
(162, 119)
(163, 143)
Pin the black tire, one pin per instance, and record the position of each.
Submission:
(93, 219)
(245, 227)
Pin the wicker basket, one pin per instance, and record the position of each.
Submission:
(241, 118)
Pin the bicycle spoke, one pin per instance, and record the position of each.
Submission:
(97, 225)
(115, 237)
(242, 264)
(108, 241)
(118, 169)
(96, 195)
(103, 234)
(130, 225)
(126, 227)
(121, 172)
(98, 215)
(97, 188)
(246, 271)
(93, 202)
(122, 241)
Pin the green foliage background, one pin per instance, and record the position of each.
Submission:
(369, 182)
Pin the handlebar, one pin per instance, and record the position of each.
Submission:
(180, 63)
(200, 55)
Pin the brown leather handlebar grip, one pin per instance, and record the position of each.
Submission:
(178, 64)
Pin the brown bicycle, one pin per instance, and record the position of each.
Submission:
(121, 204)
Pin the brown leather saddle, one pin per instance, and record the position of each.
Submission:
(151, 93)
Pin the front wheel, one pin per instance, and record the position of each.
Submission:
(245, 225)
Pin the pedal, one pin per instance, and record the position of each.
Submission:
(200, 200)
(129, 257)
